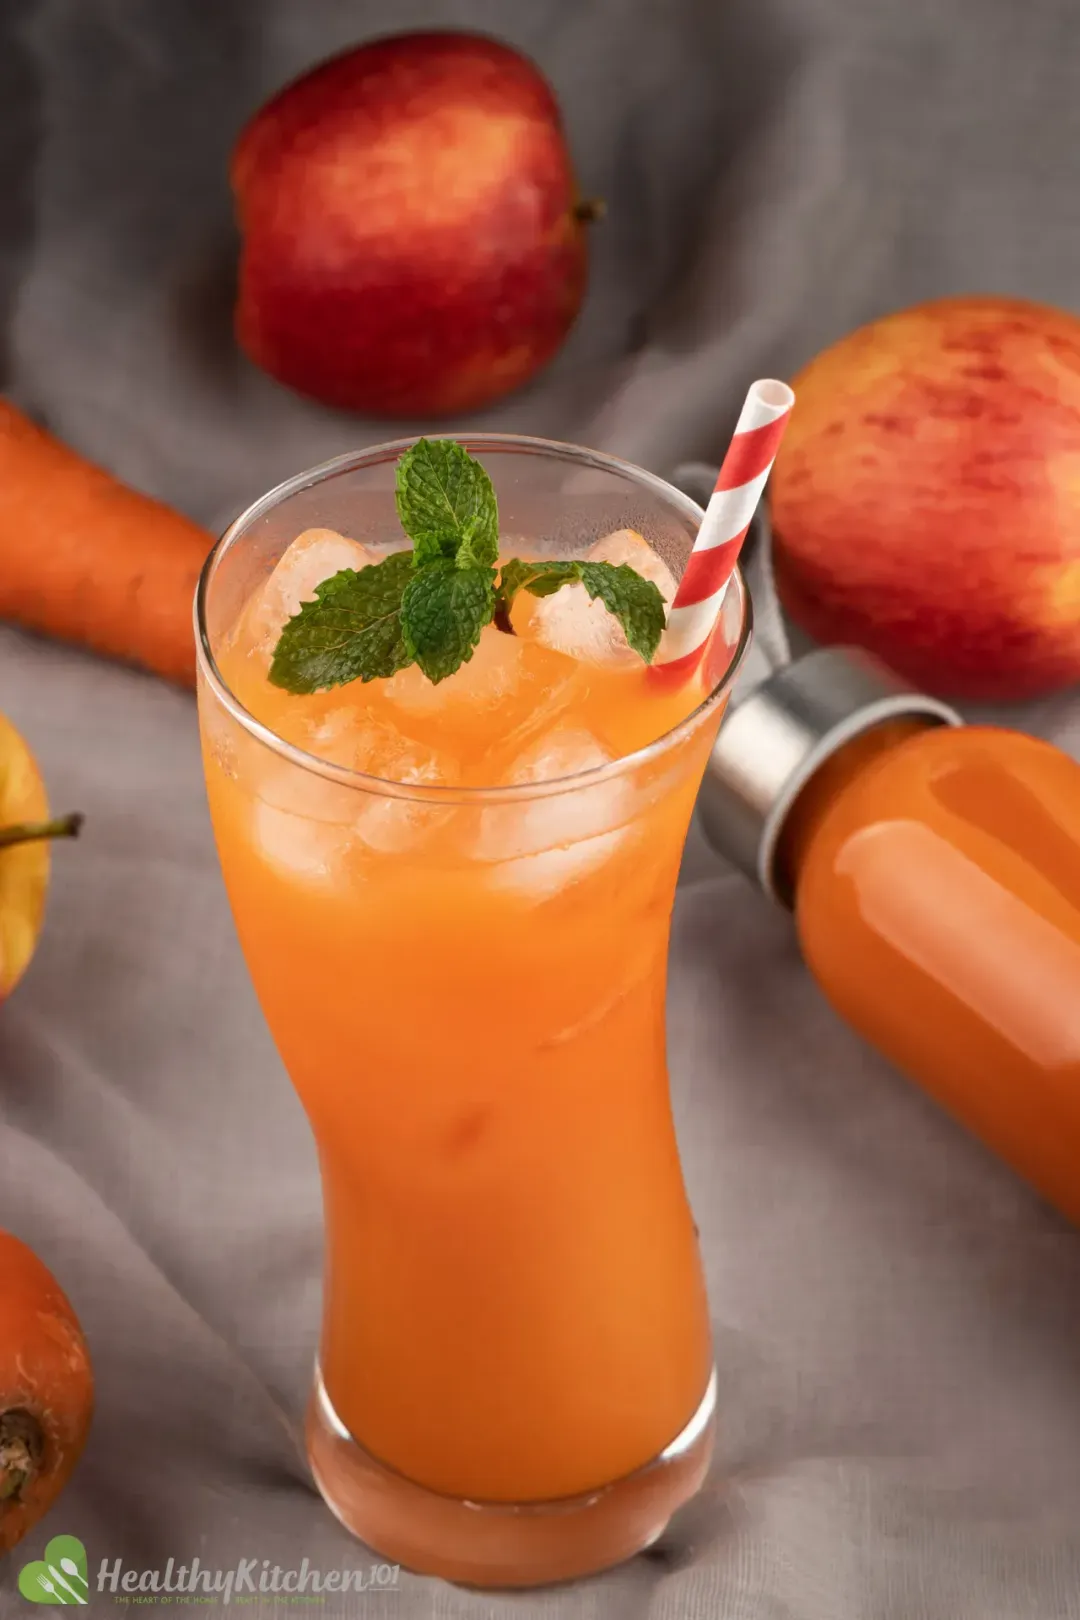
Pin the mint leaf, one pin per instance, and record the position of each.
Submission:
(634, 601)
(446, 501)
(351, 631)
(443, 610)
(538, 578)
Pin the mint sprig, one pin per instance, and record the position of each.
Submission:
(429, 605)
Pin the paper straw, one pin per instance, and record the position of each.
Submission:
(733, 502)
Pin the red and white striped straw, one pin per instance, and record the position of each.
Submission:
(733, 502)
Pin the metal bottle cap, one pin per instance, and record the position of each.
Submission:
(778, 737)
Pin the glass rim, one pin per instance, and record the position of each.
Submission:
(446, 794)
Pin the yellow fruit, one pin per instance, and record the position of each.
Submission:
(25, 832)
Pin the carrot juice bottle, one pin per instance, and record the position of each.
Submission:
(454, 897)
(934, 873)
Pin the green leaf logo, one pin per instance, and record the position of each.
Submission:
(59, 1577)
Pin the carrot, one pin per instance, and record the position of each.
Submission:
(86, 559)
(46, 1390)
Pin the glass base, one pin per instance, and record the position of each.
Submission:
(503, 1543)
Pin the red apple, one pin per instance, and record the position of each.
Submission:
(926, 499)
(412, 240)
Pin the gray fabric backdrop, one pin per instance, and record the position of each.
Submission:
(897, 1320)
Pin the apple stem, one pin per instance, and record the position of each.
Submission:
(26, 832)
(22, 1447)
(590, 209)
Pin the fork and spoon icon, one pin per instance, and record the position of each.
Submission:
(69, 1566)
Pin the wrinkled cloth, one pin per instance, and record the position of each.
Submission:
(897, 1319)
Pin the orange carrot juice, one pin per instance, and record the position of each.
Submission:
(454, 901)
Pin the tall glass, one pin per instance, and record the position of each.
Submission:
(514, 1380)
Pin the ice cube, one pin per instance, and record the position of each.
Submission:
(544, 844)
(544, 874)
(627, 546)
(303, 824)
(492, 675)
(320, 830)
(391, 824)
(352, 737)
(566, 751)
(299, 848)
(313, 556)
(572, 623)
(508, 685)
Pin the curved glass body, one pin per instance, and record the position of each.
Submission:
(467, 988)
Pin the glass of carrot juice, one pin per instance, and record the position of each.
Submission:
(454, 900)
